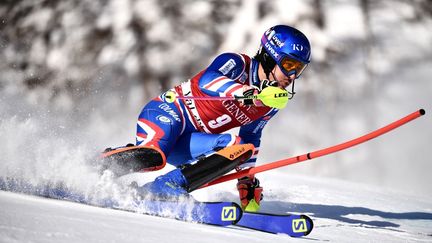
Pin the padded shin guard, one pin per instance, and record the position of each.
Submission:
(214, 166)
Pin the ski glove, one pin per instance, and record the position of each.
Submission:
(250, 193)
(253, 90)
(250, 92)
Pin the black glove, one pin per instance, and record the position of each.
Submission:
(253, 90)
(249, 92)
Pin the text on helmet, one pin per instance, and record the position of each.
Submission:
(297, 47)
(271, 50)
(273, 38)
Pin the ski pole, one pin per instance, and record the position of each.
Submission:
(271, 96)
(318, 153)
(171, 97)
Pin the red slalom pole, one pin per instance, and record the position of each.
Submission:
(318, 153)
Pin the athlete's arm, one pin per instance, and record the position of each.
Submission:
(219, 78)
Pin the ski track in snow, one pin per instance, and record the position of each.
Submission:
(342, 212)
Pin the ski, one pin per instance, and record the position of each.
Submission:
(291, 224)
(189, 210)
(212, 213)
(227, 213)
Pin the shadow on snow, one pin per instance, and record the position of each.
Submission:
(340, 213)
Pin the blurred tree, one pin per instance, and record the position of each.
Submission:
(65, 49)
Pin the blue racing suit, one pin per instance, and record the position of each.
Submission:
(186, 129)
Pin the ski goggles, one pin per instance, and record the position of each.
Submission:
(290, 66)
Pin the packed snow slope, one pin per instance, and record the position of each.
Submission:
(342, 212)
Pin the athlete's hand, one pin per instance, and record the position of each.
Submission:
(251, 91)
(270, 96)
(250, 193)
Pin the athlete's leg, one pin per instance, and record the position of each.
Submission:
(159, 125)
(207, 164)
(192, 176)
(191, 146)
(158, 128)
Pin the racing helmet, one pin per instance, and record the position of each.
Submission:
(287, 47)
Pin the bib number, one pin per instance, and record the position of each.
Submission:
(220, 121)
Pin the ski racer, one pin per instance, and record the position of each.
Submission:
(185, 131)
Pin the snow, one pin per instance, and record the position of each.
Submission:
(342, 212)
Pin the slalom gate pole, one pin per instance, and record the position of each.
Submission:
(318, 153)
